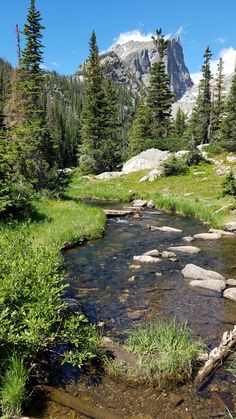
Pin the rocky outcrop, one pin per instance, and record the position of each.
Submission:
(133, 60)
(148, 159)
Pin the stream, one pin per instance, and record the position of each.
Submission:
(104, 279)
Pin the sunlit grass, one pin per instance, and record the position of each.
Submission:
(166, 350)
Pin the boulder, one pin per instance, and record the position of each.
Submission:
(169, 255)
(188, 239)
(146, 259)
(190, 250)
(210, 284)
(150, 204)
(231, 282)
(231, 159)
(148, 159)
(207, 236)
(222, 232)
(166, 229)
(231, 226)
(108, 175)
(230, 293)
(196, 272)
(139, 203)
(153, 175)
(154, 253)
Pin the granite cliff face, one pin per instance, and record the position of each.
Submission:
(130, 64)
(187, 102)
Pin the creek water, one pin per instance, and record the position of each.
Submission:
(104, 279)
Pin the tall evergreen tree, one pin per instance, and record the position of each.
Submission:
(153, 118)
(92, 117)
(200, 122)
(160, 97)
(229, 123)
(218, 104)
(140, 136)
(24, 118)
(180, 123)
(99, 150)
(32, 55)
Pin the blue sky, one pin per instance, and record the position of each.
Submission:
(69, 25)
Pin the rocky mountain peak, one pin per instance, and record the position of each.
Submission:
(137, 58)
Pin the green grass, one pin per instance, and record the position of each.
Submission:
(61, 222)
(12, 391)
(197, 196)
(166, 350)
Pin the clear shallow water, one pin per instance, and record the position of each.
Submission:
(99, 277)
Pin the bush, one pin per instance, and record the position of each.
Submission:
(174, 166)
(194, 157)
(33, 315)
(229, 185)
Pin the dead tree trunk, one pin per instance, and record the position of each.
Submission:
(217, 356)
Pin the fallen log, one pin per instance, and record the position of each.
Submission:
(216, 357)
(61, 397)
(117, 213)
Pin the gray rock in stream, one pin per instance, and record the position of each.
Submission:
(207, 236)
(188, 239)
(146, 259)
(231, 226)
(210, 284)
(230, 293)
(153, 252)
(196, 272)
(231, 282)
(165, 229)
(189, 250)
(139, 203)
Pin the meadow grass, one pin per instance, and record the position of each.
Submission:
(197, 196)
(166, 350)
(12, 390)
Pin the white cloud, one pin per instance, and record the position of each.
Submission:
(220, 40)
(55, 64)
(229, 59)
(134, 35)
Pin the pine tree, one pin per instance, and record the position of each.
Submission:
(111, 147)
(200, 122)
(160, 97)
(24, 118)
(32, 54)
(140, 133)
(229, 123)
(180, 123)
(92, 117)
(218, 104)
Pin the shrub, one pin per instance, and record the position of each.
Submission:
(229, 185)
(33, 315)
(174, 166)
(194, 157)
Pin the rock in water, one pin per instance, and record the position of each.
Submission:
(153, 252)
(139, 203)
(166, 229)
(148, 159)
(231, 226)
(207, 236)
(210, 284)
(196, 272)
(230, 293)
(189, 250)
(146, 259)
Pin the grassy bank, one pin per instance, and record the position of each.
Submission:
(199, 196)
(34, 316)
